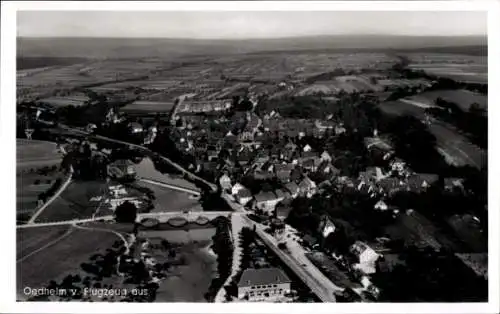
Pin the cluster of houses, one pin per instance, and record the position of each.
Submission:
(289, 168)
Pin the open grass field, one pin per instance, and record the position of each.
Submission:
(30, 183)
(74, 203)
(35, 154)
(30, 186)
(55, 261)
(31, 239)
(167, 200)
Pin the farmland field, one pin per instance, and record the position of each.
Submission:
(74, 202)
(35, 154)
(464, 68)
(25, 63)
(451, 144)
(462, 98)
(30, 186)
(57, 102)
(419, 231)
(457, 146)
(57, 260)
(37, 169)
(143, 106)
(31, 239)
(399, 107)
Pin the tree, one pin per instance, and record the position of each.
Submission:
(126, 212)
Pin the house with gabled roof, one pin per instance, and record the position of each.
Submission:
(266, 201)
(293, 188)
(420, 182)
(452, 184)
(325, 156)
(390, 185)
(307, 187)
(283, 172)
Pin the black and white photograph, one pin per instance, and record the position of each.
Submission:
(211, 154)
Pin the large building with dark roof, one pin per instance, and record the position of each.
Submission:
(264, 284)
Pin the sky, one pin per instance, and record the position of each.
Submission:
(247, 24)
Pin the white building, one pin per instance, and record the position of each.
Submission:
(136, 127)
(381, 205)
(264, 284)
(225, 182)
(236, 188)
(366, 257)
(326, 227)
(325, 156)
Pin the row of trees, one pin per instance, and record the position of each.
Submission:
(223, 247)
(51, 191)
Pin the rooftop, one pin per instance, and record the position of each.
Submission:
(265, 196)
(262, 276)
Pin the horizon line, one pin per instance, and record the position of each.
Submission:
(252, 38)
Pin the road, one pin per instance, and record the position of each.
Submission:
(295, 259)
(125, 242)
(65, 222)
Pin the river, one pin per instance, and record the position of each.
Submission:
(146, 169)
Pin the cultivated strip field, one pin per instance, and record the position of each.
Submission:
(144, 106)
(31, 153)
(462, 98)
